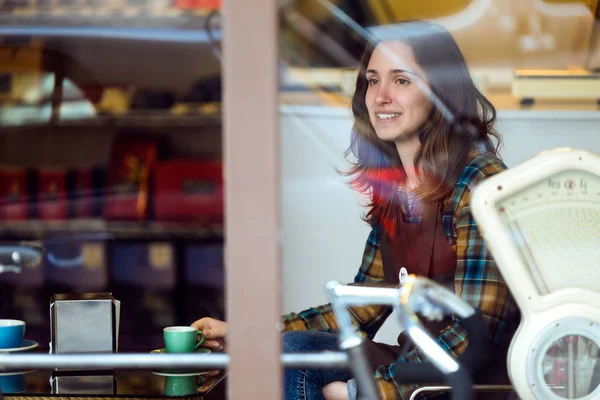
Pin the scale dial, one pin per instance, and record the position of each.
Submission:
(555, 224)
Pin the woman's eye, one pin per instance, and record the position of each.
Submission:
(372, 81)
(402, 81)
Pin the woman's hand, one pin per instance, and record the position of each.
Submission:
(336, 391)
(214, 332)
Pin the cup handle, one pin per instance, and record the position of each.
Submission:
(200, 341)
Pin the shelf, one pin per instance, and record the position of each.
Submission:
(106, 230)
(207, 115)
(161, 120)
(94, 13)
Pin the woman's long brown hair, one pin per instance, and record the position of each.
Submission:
(447, 138)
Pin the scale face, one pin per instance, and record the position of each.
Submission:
(555, 223)
(541, 221)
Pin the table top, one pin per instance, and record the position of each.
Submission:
(141, 384)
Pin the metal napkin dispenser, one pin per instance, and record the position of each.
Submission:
(84, 323)
(89, 383)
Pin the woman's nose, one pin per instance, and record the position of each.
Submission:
(382, 96)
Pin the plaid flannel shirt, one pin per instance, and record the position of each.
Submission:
(477, 281)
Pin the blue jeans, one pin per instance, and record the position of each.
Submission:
(307, 384)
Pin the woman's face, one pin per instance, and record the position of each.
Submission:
(398, 106)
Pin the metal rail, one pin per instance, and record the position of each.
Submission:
(15, 362)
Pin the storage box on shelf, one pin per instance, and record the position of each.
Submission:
(127, 194)
(144, 275)
(15, 183)
(22, 297)
(86, 197)
(204, 265)
(52, 193)
(188, 191)
(147, 265)
(204, 280)
(75, 264)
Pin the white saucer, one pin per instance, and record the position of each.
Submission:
(199, 350)
(183, 374)
(26, 345)
(17, 372)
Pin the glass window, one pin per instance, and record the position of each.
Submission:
(384, 107)
(111, 161)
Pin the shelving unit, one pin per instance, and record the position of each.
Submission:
(138, 70)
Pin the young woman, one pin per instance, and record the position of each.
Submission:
(423, 138)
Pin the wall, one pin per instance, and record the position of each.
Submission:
(323, 234)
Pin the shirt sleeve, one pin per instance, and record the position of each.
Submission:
(369, 318)
(478, 282)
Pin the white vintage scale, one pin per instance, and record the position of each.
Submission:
(541, 221)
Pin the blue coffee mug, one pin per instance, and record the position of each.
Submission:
(12, 332)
